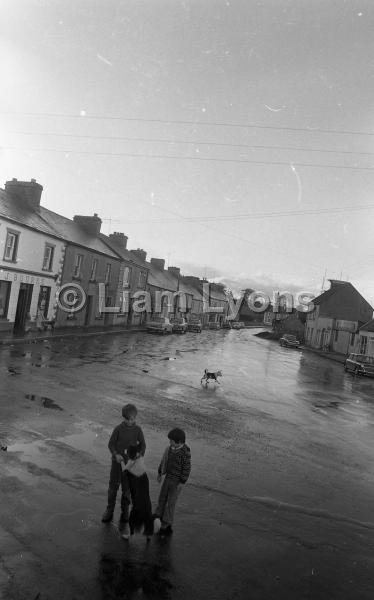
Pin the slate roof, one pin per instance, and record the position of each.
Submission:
(50, 223)
(71, 232)
(162, 279)
(20, 214)
(123, 252)
(335, 285)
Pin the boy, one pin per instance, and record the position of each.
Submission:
(128, 433)
(176, 466)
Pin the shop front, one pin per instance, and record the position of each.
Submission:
(25, 298)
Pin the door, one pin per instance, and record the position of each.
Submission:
(87, 316)
(23, 306)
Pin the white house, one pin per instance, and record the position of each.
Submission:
(31, 258)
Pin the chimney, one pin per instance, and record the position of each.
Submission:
(120, 239)
(91, 225)
(192, 279)
(175, 271)
(158, 263)
(139, 253)
(26, 192)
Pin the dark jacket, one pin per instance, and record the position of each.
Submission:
(124, 436)
(176, 464)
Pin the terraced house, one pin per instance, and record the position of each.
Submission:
(31, 259)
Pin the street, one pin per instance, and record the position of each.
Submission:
(280, 499)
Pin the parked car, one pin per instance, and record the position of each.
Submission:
(194, 325)
(214, 325)
(159, 325)
(289, 341)
(227, 325)
(360, 364)
(179, 325)
(237, 325)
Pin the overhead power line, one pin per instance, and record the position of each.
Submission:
(194, 158)
(268, 215)
(190, 142)
(185, 122)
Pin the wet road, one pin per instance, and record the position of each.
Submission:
(287, 433)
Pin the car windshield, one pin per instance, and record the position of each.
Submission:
(366, 359)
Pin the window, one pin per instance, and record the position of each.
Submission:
(126, 277)
(107, 272)
(4, 298)
(78, 265)
(48, 257)
(11, 245)
(141, 279)
(352, 339)
(93, 269)
(363, 345)
(336, 335)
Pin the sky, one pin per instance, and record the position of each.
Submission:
(233, 138)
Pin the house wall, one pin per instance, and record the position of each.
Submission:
(362, 345)
(28, 268)
(89, 315)
(127, 296)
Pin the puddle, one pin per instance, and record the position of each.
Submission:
(44, 401)
(85, 440)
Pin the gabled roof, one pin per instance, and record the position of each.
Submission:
(19, 213)
(369, 326)
(336, 285)
(123, 252)
(71, 232)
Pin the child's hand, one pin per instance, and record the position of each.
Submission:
(159, 477)
(119, 458)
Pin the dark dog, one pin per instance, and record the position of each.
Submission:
(213, 376)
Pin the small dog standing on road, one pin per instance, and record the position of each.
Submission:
(210, 375)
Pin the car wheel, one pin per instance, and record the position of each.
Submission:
(356, 371)
(345, 368)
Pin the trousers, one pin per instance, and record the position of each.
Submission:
(167, 500)
(117, 478)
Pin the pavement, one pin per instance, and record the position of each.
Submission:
(57, 334)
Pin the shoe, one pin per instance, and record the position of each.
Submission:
(126, 531)
(107, 516)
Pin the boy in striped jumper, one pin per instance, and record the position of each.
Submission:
(176, 466)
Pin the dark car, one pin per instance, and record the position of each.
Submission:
(289, 341)
(359, 364)
(179, 325)
(194, 325)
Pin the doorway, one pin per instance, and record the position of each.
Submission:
(87, 316)
(23, 306)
